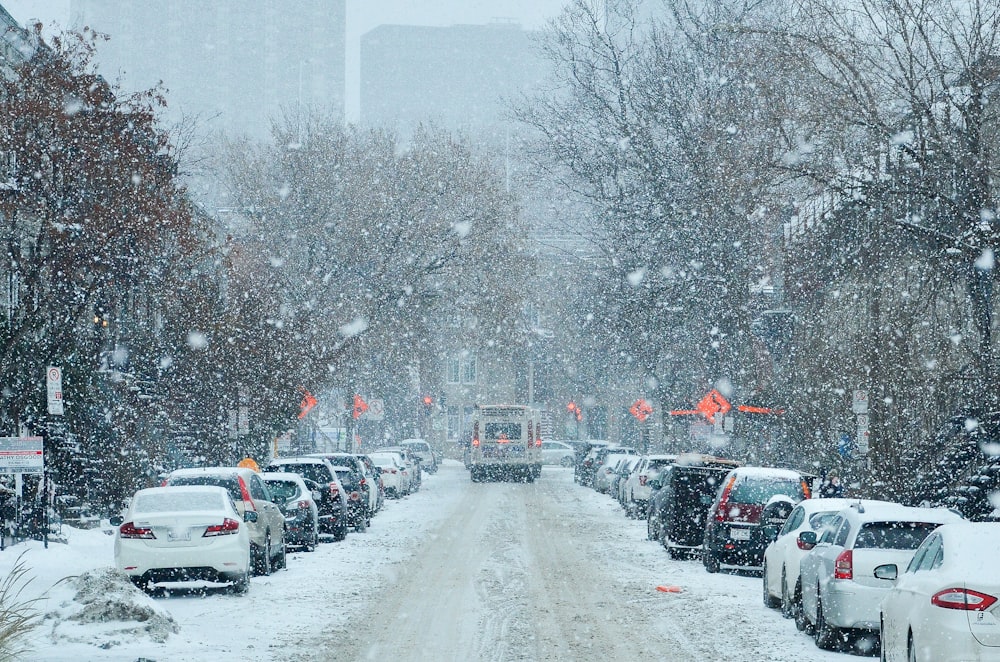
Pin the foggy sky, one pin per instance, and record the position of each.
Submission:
(362, 16)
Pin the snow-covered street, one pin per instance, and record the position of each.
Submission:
(459, 570)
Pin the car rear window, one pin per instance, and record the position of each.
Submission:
(893, 535)
(230, 484)
(317, 472)
(176, 502)
(759, 490)
(282, 489)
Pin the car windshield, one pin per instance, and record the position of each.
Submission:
(176, 501)
(893, 535)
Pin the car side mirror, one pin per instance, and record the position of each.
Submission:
(888, 571)
(317, 495)
(654, 484)
(806, 540)
(117, 520)
(250, 516)
(770, 532)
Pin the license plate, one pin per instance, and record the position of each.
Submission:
(176, 536)
(739, 534)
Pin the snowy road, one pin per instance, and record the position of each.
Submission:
(459, 571)
(554, 571)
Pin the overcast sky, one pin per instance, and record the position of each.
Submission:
(362, 16)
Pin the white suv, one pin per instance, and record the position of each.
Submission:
(840, 592)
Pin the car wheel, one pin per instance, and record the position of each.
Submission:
(340, 533)
(674, 552)
(710, 560)
(649, 528)
(361, 523)
(786, 600)
(282, 558)
(242, 583)
(825, 634)
(566, 462)
(264, 557)
(769, 600)
(802, 623)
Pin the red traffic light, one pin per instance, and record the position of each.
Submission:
(428, 401)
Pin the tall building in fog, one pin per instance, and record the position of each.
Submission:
(458, 77)
(233, 64)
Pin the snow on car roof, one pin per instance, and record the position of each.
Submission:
(971, 547)
(888, 511)
(767, 472)
(297, 460)
(206, 471)
(281, 475)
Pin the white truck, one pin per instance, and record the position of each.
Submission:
(506, 443)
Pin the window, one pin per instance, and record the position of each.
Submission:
(454, 423)
(893, 535)
(469, 370)
(841, 538)
(796, 518)
(829, 533)
(454, 371)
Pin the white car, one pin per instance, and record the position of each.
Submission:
(193, 533)
(782, 557)
(945, 605)
(840, 591)
(395, 476)
(637, 489)
(557, 452)
(249, 493)
(601, 481)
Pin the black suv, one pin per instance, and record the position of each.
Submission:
(682, 493)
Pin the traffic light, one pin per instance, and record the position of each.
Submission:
(574, 409)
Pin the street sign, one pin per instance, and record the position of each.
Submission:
(53, 384)
(864, 436)
(641, 410)
(376, 409)
(21, 455)
(862, 421)
(859, 401)
(712, 404)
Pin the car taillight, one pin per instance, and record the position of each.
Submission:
(334, 491)
(805, 489)
(130, 530)
(355, 496)
(363, 482)
(964, 599)
(475, 442)
(538, 441)
(642, 479)
(245, 493)
(720, 513)
(843, 567)
(228, 527)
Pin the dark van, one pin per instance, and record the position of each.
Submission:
(682, 494)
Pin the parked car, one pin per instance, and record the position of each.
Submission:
(558, 453)
(358, 516)
(375, 474)
(296, 498)
(733, 535)
(601, 480)
(190, 533)
(944, 606)
(333, 504)
(394, 474)
(412, 463)
(419, 447)
(782, 585)
(840, 590)
(597, 450)
(681, 496)
(622, 472)
(637, 490)
(363, 483)
(249, 493)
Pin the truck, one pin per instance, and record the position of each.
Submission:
(506, 443)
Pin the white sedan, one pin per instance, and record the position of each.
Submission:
(557, 452)
(945, 605)
(184, 533)
(395, 477)
(782, 585)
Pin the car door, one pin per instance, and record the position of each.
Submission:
(267, 509)
(903, 604)
(812, 564)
